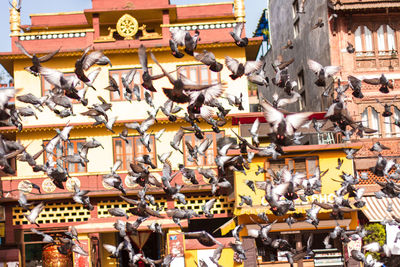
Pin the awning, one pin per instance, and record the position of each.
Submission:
(323, 224)
(376, 209)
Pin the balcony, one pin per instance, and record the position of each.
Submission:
(373, 60)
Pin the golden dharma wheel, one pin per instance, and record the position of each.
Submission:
(52, 258)
(127, 26)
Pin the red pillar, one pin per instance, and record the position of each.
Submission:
(9, 228)
(96, 25)
(165, 30)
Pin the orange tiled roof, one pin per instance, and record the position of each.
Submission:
(372, 177)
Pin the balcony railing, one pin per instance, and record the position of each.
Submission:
(383, 59)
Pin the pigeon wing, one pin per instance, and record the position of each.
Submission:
(314, 66)
(295, 121)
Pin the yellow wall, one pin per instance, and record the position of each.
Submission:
(225, 260)
(327, 160)
(100, 160)
(123, 109)
(107, 238)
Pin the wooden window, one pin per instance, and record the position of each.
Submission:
(127, 152)
(199, 74)
(46, 86)
(123, 151)
(386, 40)
(363, 41)
(118, 74)
(210, 154)
(303, 165)
(376, 45)
(65, 148)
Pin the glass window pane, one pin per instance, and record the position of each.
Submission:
(368, 40)
(276, 165)
(70, 148)
(214, 76)
(115, 95)
(388, 126)
(358, 41)
(204, 75)
(391, 38)
(375, 121)
(397, 118)
(381, 39)
(193, 74)
(312, 166)
(118, 147)
(364, 118)
(300, 165)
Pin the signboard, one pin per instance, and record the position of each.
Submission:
(176, 247)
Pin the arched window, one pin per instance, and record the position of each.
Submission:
(364, 118)
(375, 122)
(370, 119)
(397, 118)
(386, 40)
(388, 126)
(363, 41)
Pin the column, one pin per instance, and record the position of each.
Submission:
(165, 21)
(299, 247)
(96, 25)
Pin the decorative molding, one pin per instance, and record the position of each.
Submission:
(48, 185)
(25, 186)
(56, 13)
(201, 25)
(53, 35)
(70, 184)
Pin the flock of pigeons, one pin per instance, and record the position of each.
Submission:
(283, 187)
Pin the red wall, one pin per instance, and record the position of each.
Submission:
(192, 12)
(59, 20)
(124, 4)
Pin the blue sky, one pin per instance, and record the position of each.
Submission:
(253, 12)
